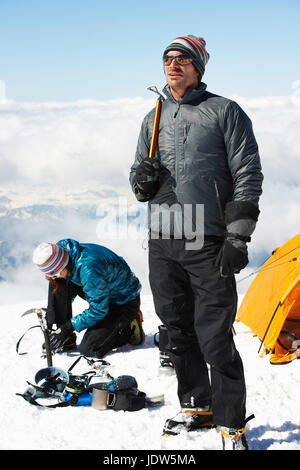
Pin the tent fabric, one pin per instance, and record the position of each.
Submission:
(274, 295)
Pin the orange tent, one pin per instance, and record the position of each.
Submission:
(271, 305)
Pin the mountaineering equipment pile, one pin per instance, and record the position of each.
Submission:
(271, 305)
(166, 364)
(188, 420)
(53, 382)
(120, 393)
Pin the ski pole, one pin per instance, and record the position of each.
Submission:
(154, 137)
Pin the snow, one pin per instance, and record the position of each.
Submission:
(273, 396)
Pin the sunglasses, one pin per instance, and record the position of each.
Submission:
(180, 59)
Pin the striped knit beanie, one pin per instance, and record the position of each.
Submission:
(194, 47)
(50, 258)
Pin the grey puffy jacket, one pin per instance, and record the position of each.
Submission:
(208, 155)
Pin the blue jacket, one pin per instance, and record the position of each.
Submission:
(104, 277)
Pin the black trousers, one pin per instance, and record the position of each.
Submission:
(198, 308)
(109, 333)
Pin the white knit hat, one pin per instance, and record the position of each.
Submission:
(50, 258)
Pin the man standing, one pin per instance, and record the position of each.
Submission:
(207, 157)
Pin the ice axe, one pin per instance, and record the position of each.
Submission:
(154, 137)
(41, 314)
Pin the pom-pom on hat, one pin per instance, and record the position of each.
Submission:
(50, 258)
(194, 46)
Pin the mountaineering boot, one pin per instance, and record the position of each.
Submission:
(69, 344)
(137, 335)
(234, 439)
(188, 419)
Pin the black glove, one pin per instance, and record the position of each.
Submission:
(146, 180)
(232, 257)
(58, 337)
(240, 220)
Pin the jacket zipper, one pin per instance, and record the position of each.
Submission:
(185, 133)
(218, 200)
(176, 146)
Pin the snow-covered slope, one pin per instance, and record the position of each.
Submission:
(273, 396)
(61, 166)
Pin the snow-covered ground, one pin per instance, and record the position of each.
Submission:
(47, 194)
(273, 396)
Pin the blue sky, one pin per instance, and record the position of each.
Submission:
(92, 49)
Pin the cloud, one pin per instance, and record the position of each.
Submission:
(60, 161)
(276, 122)
(77, 142)
(70, 143)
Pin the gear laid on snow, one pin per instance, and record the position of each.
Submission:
(126, 400)
(116, 394)
(188, 419)
(123, 382)
(52, 380)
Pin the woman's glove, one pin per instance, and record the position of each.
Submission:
(58, 337)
